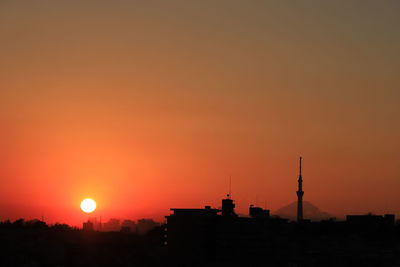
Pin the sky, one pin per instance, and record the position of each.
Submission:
(150, 105)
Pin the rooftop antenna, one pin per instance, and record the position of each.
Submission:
(230, 187)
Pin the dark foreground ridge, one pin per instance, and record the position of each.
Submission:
(34, 243)
(208, 237)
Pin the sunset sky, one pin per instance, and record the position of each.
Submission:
(150, 105)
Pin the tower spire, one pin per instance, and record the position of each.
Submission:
(300, 194)
(300, 165)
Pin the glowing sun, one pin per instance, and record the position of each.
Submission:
(88, 205)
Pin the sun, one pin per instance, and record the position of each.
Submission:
(88, 205)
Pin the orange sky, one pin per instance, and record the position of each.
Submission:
(149, 106)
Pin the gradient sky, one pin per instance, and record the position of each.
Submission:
(149, 105)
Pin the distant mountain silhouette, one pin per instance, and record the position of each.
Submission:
(310, 212)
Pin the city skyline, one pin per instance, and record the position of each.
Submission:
(227, 208)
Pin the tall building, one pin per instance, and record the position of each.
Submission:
(219, 234)
(228, 207)
(300, 194)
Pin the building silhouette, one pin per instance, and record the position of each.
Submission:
(143, 226)
(300, 194)
(257, 212)
(128, 226)
(88, 226)
(112, 225)
(228, 207)
(208, 234)
(371, 221)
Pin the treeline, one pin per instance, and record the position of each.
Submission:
(35, 224)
